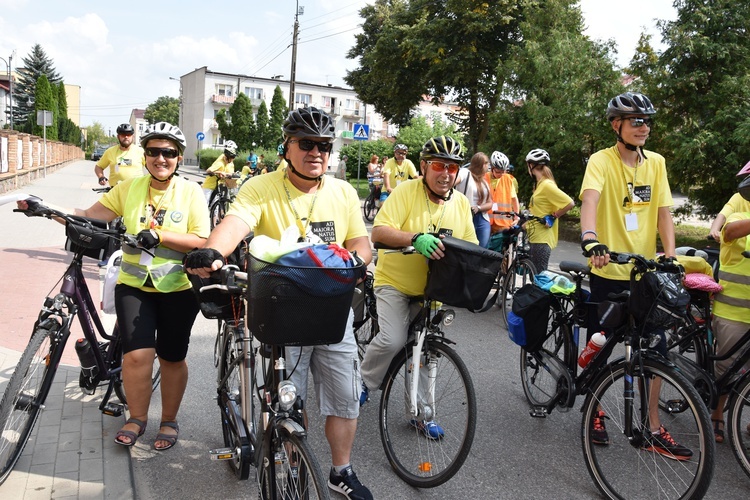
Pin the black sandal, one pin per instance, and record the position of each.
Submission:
(130, 434)
(718, 433)
(171, 439)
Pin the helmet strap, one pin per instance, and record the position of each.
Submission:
(303, 176)
(631, 147)
(444, 198)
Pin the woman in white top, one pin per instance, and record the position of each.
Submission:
(471, 182)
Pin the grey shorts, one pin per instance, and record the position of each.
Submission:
(335, 370)
(727, 333)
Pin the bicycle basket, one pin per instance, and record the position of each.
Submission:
(658, 299)
(528, 320)
(87, 235)
(230, 182)
(463, 277)
(214, 302)
(299, 305)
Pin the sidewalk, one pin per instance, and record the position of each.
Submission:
(71, 453)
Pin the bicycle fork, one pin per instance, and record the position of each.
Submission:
(424, 409)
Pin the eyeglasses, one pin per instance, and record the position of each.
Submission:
(637, 122)
(309, 145)
(399, 152)
(167, 153)
(439, 166)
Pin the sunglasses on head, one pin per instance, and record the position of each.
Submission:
(637, 122)
(439, 166)
(309, 145)
(167, 153)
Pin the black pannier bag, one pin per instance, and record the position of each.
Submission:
(464, 277)
(531, 305)
(658, 299)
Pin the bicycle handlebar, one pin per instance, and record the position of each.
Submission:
(642, 264)
(389, 249)
(524, 216)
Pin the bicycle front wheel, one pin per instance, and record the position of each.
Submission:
(290, 470)
(364, 335)
(368, 209)
(23, 397)
(424, 456)
(217, 212)
(640, 466)
(540, 384)
(521, 273)
(738, 423)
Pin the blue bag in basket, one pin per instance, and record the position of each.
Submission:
(341, 276)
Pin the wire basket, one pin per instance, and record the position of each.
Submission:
(299, 305)
(230, 182)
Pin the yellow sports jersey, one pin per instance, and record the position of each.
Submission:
(122, 165)
(220, 165)
(735, 204)
(399, 173)
(547, 199)
(734, 275)
(409, 209)
(263, 204)
(624, 190)
(282, 166)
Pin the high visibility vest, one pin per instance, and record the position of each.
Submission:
(501, 190)
(165, 269)
(734, 302)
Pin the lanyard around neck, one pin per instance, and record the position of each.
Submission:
(302, 227)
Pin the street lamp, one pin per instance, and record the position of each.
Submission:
(8, 63)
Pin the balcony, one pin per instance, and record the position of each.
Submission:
(347, 134)
(351, 113)
(222, 99)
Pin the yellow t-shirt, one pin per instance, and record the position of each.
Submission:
(262, 203)
(546, 199)
(409, 209)
(735, 204)
(732, 302)
(122, 164)
(399, 173)
(220, 165)
(607, 174)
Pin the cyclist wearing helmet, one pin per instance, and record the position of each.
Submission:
(626, 199)
(317, 207)
(473, 183)
(155, 305)
(504, 198)
(735, 204)
(397, 170)
(415, 213)
(221, 168)
(548, 201)
(280, 163)
(509, 172)
(124, 160)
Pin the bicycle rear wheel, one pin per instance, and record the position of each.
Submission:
(626, 467)
(521, 273)
(24, 396)
(738, 423)
(364, 335)
(540, 384)
(217, 212)
(417, 459)
(368, 208)
(291, 471)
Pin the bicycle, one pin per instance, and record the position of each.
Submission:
(629, 466)
(226, 190)
(448, 394)
(372, 202)
(263, 421)
(30, 384)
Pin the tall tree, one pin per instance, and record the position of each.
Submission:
(163, 109)
(36, 64)
(240, 127)
(704, 104)
(261, 128)
(67, 130)
(45, 100)
(96, 136)
(276, 120)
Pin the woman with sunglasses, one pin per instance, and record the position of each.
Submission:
(155, 305)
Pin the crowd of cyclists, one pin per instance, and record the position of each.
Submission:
(625, 202)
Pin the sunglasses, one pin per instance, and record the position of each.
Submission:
(400, 152)
(309, 145)
(167, 153)
(439, 166)
(639, 122)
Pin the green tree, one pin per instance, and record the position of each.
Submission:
(262, 123)
(276, 120)
(67, 130)
(238, 124)
(96, 136)
(36, 64)
(163, 109)
(45, 99)
(704, 104)
(446, 48)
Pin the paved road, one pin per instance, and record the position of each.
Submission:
(513, 456)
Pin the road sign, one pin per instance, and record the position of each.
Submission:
(200, 136)
(361, 132)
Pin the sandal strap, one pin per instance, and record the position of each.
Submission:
(171, 424)
(140, 423)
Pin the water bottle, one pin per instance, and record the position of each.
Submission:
(86, 356)
(595, 344)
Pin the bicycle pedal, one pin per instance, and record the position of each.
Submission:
(223, 454)
(113, 409)
(538, 412)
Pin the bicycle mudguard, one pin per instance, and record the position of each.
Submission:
(292, 427)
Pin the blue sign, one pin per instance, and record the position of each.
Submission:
(361, 132)
(200, 136)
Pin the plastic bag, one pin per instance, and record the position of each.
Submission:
(110, 280)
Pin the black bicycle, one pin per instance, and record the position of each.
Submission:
(630, 464)
(29, 386)
(372, 202)
(226, 190)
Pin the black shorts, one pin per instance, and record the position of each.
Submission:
(155, 320)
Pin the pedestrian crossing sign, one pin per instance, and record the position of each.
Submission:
(361, 131)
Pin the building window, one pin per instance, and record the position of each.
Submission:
(329, 102)
(352, 104)
(254, 93)
(303, 99)
(222, 89)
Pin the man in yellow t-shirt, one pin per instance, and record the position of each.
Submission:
(221, 168)
(415, 212)
(322, 208)
(397, 170)
(626, 199)
(124, 161)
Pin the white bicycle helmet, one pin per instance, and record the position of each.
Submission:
(538, 156)
(499, 160)
(164, 130)
(230, 147)
(629, 103)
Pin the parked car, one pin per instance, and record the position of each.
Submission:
(97, 154)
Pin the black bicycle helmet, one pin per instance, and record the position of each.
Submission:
(401, 147)
(164, 130)
(308, 122)
(443, 147)
(744, 188)
(629, 103)
(125, 129)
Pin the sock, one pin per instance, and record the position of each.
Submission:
(339, 468)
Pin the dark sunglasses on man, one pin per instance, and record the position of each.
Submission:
(309, 145)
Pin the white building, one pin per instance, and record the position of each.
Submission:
(139, 123)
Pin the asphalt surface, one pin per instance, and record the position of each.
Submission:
(513, 455)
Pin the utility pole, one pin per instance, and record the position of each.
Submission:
(294, 57)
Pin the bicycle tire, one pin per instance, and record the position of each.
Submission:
(738, 422)
(624, 468)
(419, 461)
(217, 212)
(521, 273)
(22, 398)
(364, 335)
(539, 384)
(368, 208)
(278, 481)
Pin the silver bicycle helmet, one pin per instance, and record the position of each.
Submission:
(164, 130)
(629, 103)
(308, 122)
(538, 156)
(401, 147)
(499, 160)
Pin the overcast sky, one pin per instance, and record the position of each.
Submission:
(122, 54)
